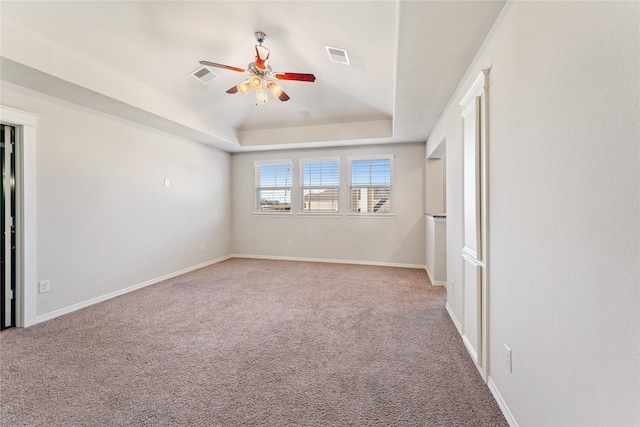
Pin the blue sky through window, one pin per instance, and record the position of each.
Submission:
(321, 174)
(376, 172)
(275, 175)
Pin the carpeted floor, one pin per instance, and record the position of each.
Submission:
(251, 342)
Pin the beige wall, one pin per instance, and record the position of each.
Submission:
(564, 194)
(436, 184)
(341, 237)
(105, 220)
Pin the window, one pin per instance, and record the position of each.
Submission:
(370, 184)
(320, 185)
(273, 187)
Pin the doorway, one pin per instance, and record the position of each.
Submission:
(436, 215)
(8, 265)
(22, 127)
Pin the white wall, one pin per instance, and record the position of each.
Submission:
(564, 180)
(342, 237)
(105, 221)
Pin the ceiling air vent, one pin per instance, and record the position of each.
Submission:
(338, 55)
(204, 74)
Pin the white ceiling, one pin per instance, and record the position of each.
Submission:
(406, 59)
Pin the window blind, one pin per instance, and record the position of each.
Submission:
(273, 186)
(370, 185)
(320, 185)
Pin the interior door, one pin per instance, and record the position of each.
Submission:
(7, 227)
(474, 245)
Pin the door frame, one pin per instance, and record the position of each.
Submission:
(8, 292)
(26, 224)
(479, 92)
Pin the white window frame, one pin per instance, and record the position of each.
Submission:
(258, 190)
(304, 187)
(354, 213)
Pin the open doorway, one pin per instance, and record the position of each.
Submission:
(436, 215)
(436, 197)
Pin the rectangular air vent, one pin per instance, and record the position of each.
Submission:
(204, 74)
(338, 55)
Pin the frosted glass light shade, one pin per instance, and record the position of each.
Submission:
(261, 96)
(274, 88)
(255, 82)
(244, 87)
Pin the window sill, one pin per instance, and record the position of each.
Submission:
(320, 214)
(370, 215)
(284, 214)
(323, 215)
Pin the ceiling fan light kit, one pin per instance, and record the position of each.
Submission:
(261, 96)
(255, 82)
(261, 75)
(244, 87)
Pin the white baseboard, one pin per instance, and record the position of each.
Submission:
(429, 274)
(83, 304)
(434, 282)
(327, 260)
(454, 318)
(472, 351)
(501, 403)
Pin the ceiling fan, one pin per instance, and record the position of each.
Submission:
(261, 76)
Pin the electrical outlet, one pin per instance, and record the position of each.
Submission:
(507, 357)
(453, 286)
(289, 243)
(399, 248)
(201, 248)
(167, 183)
(43, 286)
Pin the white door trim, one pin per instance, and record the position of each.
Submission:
(7, 203)
(26, 237)
(475, 252)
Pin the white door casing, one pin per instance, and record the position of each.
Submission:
(474, 121)
(26, 254)
(7, 148)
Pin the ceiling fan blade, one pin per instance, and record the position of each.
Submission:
(233, 89)
(226, 67)
(295, 76)
(283, 97)
(262, 56)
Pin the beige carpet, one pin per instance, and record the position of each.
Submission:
(251, 342)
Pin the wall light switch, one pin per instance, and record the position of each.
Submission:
(507, 358)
